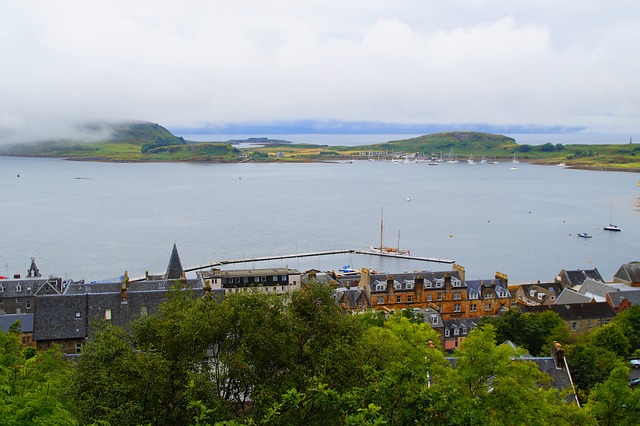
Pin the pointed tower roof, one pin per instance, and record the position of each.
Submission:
(33, 271)
(174, 270)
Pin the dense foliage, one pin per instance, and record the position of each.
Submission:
(255, 358)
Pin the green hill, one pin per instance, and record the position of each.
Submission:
(477, 143)
(127, 141)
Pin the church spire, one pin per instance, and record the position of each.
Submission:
(174, 270)
(33, 271)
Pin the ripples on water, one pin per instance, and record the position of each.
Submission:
(122, 216)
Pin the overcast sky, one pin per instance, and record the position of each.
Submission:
(189, 64)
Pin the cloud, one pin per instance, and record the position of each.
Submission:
(188, 64)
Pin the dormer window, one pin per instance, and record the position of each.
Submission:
(427, 284)
(1, 288)
(19, 288)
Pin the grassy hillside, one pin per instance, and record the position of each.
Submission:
(130, 141)
(143, 141)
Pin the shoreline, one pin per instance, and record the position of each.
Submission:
(577, 166)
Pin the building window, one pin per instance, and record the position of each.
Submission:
(487, 295)
(464, 330)
(434, 319)
(78, 315)
(19, 287)
(487, 306)
(28, 304)
(473, 307)
(447, 333)
(1, 288)
(455, 332)
(457, 296)
(457, 308)
(428, 298)
(17, 300)
(439, 297)
(107, 314)
(588, 323)
(78, 347)
(143, 311)
(574, 325)
(380, 301)
(410, 298)
(398, 299)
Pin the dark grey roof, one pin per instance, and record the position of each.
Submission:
(55, 315)
(577, 277)
(174, 269)
(352, 294)
(629, 272)
(20, 287)
(632, 296)
(574, 312)
(493, 283)
(569, 296)
(26, 322)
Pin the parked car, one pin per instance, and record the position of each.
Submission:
(634, 382)
(635, 363)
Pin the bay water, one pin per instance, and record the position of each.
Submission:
(88, 220)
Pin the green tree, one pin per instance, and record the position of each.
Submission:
(629, 322)
(32, 390)
(613, 402)
(611, 337)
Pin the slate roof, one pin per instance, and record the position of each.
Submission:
(576, 277)
(629, 273)
(174, 269)
(495, 283)
(26, 322)
(599, 290)
(574, 312)
(546, 290)
(569, 296)
(404, 280)
(632, 296)
(20, 287)
(68, 316)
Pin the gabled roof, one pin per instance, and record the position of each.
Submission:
(576, 277)
(351, 294)
(598, 290)
(629, 273)
(174, 269)
(569, 296)
(20, 287)
(632, 296)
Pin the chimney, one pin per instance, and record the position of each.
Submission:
(124, 287)
(390, 288)
(418, 287)
(558, 354)
(146, 275)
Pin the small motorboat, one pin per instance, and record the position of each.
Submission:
(584, 235)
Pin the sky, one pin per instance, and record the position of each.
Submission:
(194, 64)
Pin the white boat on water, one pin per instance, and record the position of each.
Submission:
(584, 235)
(611, 226)
(382, 249)
(515, 159)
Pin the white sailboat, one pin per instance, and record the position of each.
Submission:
(381, 249)
(611, 226)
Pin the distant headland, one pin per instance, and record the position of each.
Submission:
(139, 141)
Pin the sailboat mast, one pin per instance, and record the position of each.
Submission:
(381, 224)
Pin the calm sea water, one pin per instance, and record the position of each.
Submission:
(95, 220)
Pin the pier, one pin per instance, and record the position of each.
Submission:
(314, 254)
